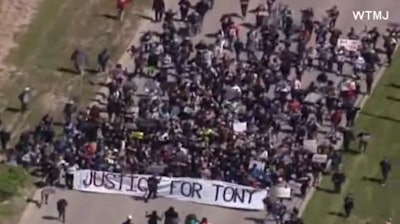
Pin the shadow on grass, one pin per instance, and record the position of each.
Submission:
(372, 179)
(142, 16)
(351, 151)
(383, 117)
(109, 16)
(326, 190)
(13, 110)
(49, 217)
(393, 85)
(338, 214)
(67, 70)
(392, 98)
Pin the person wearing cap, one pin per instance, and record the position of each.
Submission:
(25, 98)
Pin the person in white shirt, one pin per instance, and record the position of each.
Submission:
(69, 176)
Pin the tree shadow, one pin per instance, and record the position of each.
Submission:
(255, 220)
(49, 217)
(67, 70)
(326, 190)
(92, 71)
(351, 152)
(212, 35)
(338, 214)
(146, 17)
(372, 179)
(393, 85)
(109, 16)
(393, 98)
(247, 26)
(13, 110)
(383, 117)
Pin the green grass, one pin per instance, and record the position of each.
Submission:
(373, 202)
(43, 55)
(14, 183)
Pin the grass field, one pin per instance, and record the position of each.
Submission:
(373, 202)
(43, 61)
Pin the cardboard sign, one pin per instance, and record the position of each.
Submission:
(240, 127)
(320, 158)
(349, 45)
(311, 145)
(282, 192)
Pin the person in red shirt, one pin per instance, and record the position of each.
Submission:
(121, 7)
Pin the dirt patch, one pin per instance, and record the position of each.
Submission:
(15, 15)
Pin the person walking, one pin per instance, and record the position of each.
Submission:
(152, 184)
(338, 178)
(348, 205)
(159, 9)
(79, 59)
(45, 194)
(385, 170)
(122, 5)
(103, 59)
(25, 98)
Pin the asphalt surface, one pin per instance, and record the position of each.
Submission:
(101, 208)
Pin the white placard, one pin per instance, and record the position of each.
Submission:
(349, 45)
(281, 192)
(240, 126)
(311, 145)
(320, 158)
(208, 192)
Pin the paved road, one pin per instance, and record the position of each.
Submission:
(105, 209)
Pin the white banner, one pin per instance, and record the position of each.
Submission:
(208, 192)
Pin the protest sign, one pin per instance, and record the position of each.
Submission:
(281, 192)
(349, 45)
(240, 127)
(311, 145)
(185, 189)
(320, 158)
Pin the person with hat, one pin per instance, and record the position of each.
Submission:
(25, 98)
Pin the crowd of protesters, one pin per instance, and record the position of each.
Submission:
(218, 110)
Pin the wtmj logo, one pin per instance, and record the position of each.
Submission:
(371, 15)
